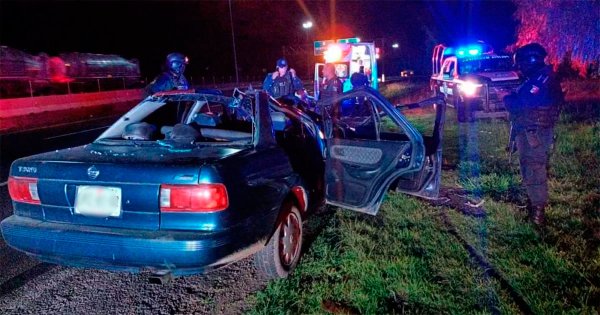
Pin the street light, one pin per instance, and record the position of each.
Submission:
(395, 45)
(307, 26)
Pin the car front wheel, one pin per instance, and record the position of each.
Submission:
(281, 255)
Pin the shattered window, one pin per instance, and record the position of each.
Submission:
(190, 119)
(353, 118)
(388, 128)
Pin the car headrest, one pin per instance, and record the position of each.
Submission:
(139, 131)
(207, 119)
(183, 133)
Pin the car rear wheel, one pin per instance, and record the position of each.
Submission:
(281, 255)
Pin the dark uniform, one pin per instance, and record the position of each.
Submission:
(534, 109)
(331, 88)
(285, 85)
(282, 85)
(168, 81)
(172, 78)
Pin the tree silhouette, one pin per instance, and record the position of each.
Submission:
(569, 29)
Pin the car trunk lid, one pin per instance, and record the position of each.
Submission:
(115, 186)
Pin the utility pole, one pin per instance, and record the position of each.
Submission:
(237, 78)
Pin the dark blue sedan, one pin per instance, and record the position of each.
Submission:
(187, 182)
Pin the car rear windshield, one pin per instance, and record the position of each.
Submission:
(186, 120)
(498, 63)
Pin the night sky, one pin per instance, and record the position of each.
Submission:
(149, 30)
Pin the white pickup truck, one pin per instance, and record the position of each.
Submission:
(470, 78)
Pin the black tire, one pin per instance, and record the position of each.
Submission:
(281, 255)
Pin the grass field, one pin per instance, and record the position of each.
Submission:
(419, 257)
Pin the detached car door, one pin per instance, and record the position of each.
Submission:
(370, 145)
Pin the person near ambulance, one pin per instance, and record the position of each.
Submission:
(534, 109)
(332, 85)
(359, 78)
(283, 82)
(172, 77)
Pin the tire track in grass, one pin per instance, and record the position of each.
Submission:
(488, 268)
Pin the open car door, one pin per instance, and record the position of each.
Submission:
(426, 182)
(371, 146)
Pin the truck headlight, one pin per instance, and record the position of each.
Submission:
(469, 88)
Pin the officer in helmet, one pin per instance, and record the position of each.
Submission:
(282, 82)
(534, 109)
(172, 77)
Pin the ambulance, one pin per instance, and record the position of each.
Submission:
(349, 56)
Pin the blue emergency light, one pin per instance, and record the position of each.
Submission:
(469, 50)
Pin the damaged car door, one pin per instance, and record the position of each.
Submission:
(370, 147)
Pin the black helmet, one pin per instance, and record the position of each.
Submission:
(530, 58)
(176, 62)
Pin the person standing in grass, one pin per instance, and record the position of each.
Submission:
(534, 109)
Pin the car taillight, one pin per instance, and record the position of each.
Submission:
(23, 189)
(193, 198)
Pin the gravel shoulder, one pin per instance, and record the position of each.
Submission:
(64, 290)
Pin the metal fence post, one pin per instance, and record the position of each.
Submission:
(30, 89)
(98, 80)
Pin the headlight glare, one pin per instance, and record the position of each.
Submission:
(469, 88)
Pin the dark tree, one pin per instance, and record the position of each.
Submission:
(569, 29)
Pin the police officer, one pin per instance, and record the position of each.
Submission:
(331, 85)
(172, 78)
(534, 109)
(282, 82)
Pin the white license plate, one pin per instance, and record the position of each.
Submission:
(98, 201)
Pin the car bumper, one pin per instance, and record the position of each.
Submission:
(126, 249)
